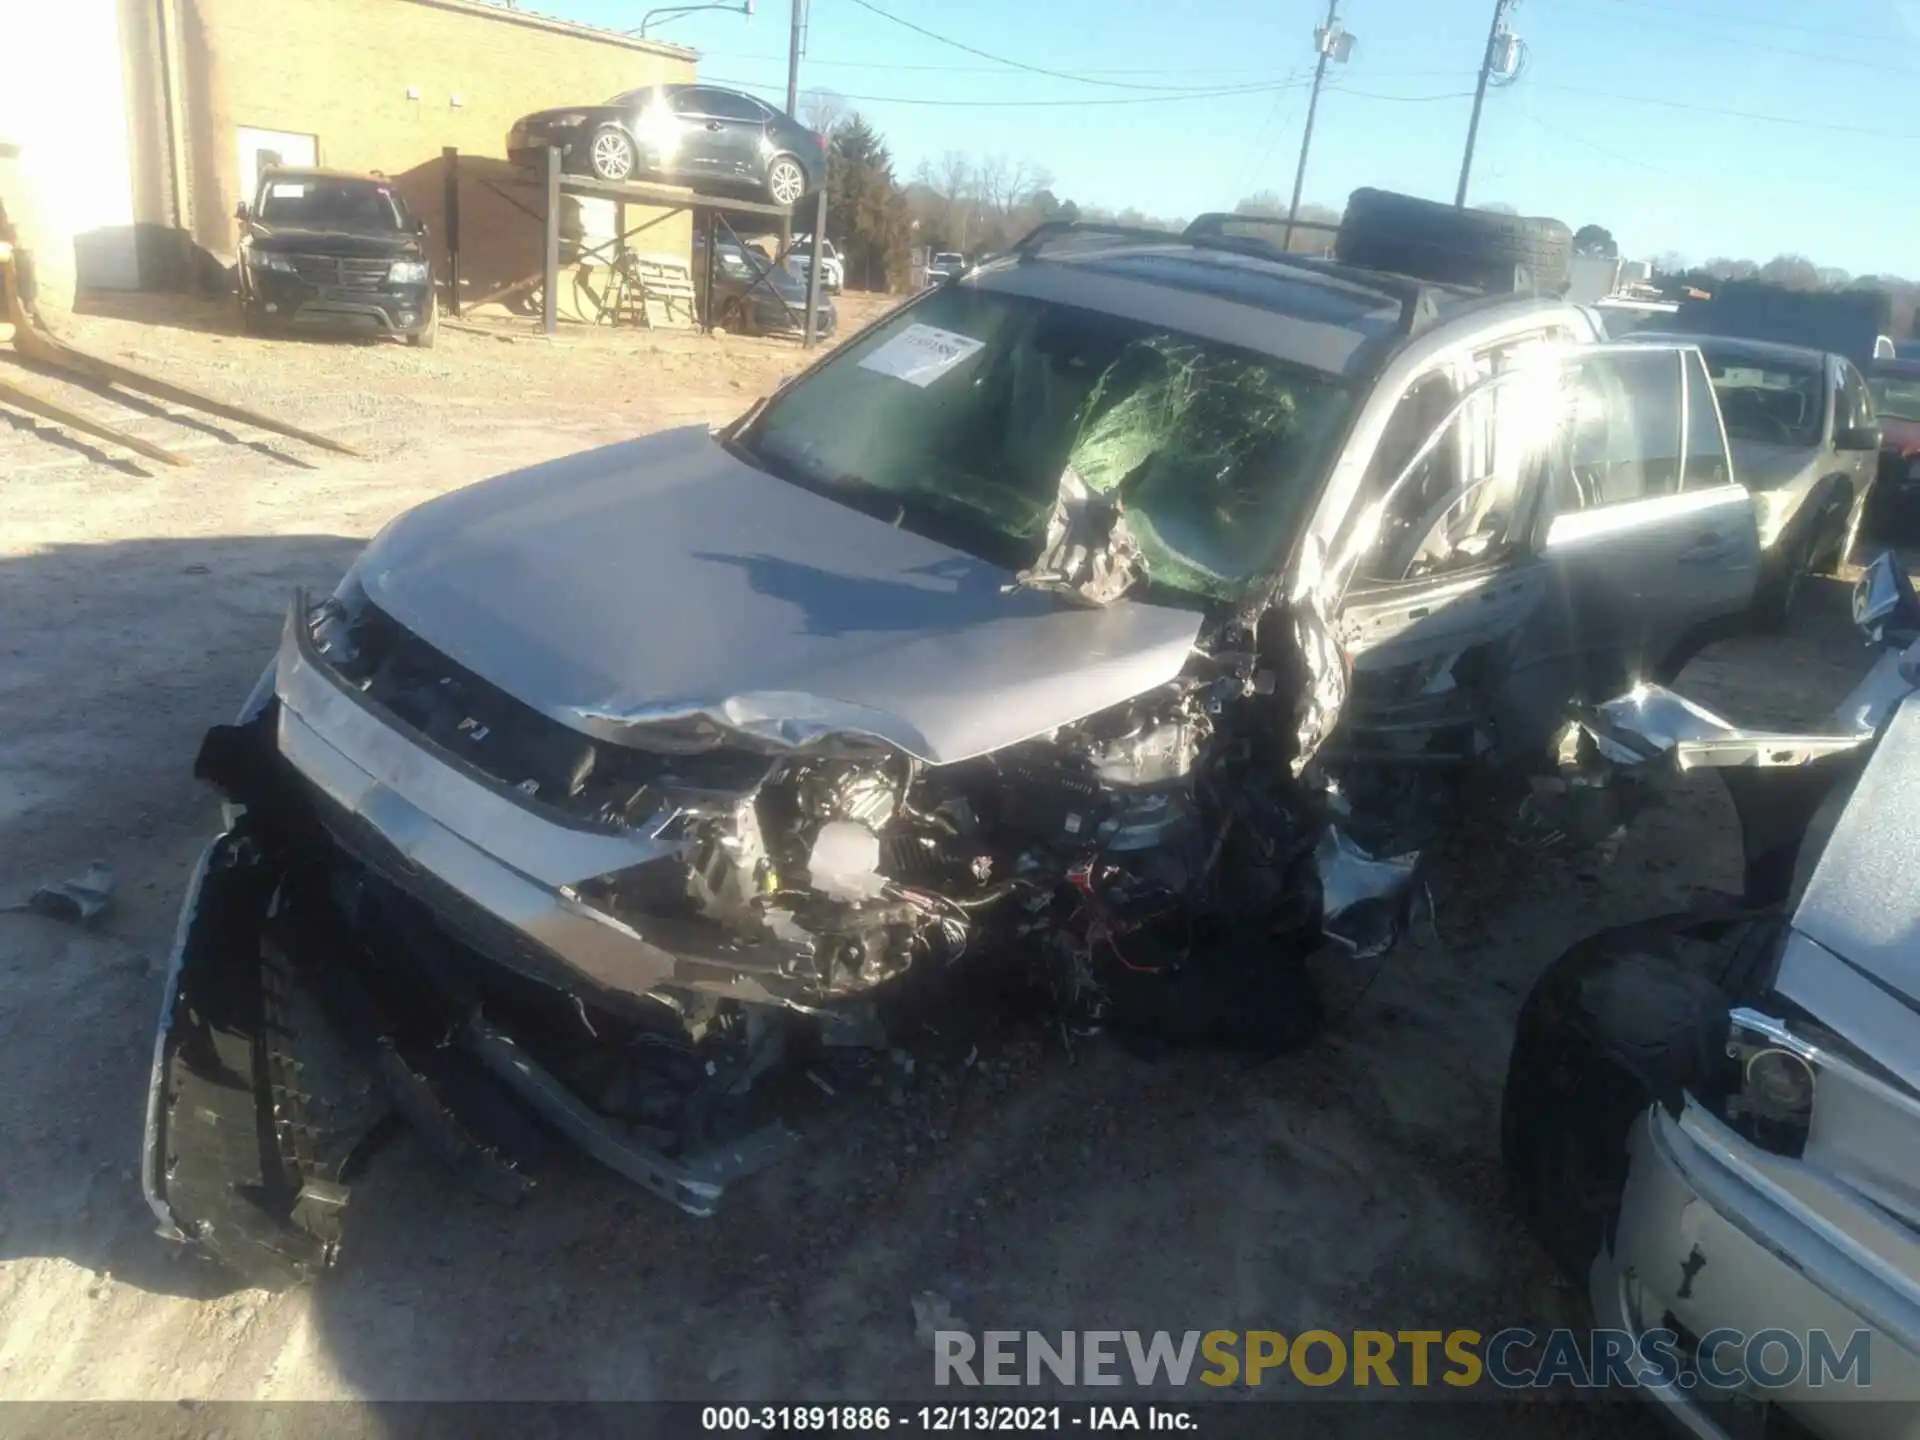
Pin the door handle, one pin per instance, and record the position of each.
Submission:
(713, 124)
(1709, 545)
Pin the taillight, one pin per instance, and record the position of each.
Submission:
(821, 137)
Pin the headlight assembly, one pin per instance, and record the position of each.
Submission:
(408, 272)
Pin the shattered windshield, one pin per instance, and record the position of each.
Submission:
(1765, 400)
(972, 416)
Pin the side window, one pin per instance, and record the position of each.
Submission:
(728, 106)
(693, 102)
(1856, 400)
(1486, 455)
(1706, 463)
(1419, 414)
(1621, 438)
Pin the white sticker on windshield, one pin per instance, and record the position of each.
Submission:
(921, 354)
(286, 190)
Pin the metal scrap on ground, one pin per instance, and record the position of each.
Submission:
(35, 342)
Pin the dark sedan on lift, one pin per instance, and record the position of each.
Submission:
(696, 135)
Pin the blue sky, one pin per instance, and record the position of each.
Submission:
(1835, 177)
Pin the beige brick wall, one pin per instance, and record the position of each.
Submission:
(342, 70)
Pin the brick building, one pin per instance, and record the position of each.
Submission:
(211, 89)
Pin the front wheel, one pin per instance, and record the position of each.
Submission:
(1781, 582)
(610, 153)
(423, 338)
(786, 181)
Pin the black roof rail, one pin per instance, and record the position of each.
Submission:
(1213, 225)
(1417, 299)
(1037, 238)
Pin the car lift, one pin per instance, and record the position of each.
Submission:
(21, 324)
(709, 213)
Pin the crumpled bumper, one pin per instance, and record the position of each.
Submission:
(1710, 1237)
(280, 1057)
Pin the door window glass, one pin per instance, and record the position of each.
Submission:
(1620, 435)
(728, 106)
(1856, 400)
(1463, 503)
(695, 102)
(1707, 463)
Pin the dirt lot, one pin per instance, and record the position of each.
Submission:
(1352, 1185)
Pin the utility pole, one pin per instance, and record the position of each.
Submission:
(1333, 43)
(1494, 32)
(795, 45)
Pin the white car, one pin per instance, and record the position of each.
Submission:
(833, 271)
(1711, 1119)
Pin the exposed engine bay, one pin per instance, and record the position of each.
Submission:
(835, 868)
(1108, 861)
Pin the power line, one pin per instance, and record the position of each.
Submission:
(1338, 89)
(1666, 11)
(1602, 150)
(1734, 114)
(1082, 79)
(1668, 26)
(1229, 93)
(988, 69)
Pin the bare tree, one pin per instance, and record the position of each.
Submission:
(823, 110)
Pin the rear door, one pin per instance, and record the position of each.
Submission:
(1570, 525)
(1653, 543)
(720, 133)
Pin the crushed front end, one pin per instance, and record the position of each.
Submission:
(438, 904)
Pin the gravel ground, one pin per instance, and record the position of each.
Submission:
(1351, 1185)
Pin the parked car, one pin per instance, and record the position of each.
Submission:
(833, 273)
(698, 135)
(320, 249)
(944, 265)
(1711, 1119)
(1805, 442)
(1895, 503)
(753, 296)
(1136, 610)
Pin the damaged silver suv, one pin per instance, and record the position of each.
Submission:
(1134, 608)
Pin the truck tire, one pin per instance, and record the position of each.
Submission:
(1384, 230)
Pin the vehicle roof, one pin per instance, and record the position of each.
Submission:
(1775, 350)
(318, 172)
(1292, 308)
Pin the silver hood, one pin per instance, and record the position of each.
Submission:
(661, 579)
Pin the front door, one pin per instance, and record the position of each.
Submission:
(716, 134)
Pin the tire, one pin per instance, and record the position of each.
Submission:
(733, 316)
(786, 180)
(1627, 1019)
(1781, 582)
(423, 338)
(610, 154)
(1385, 230)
